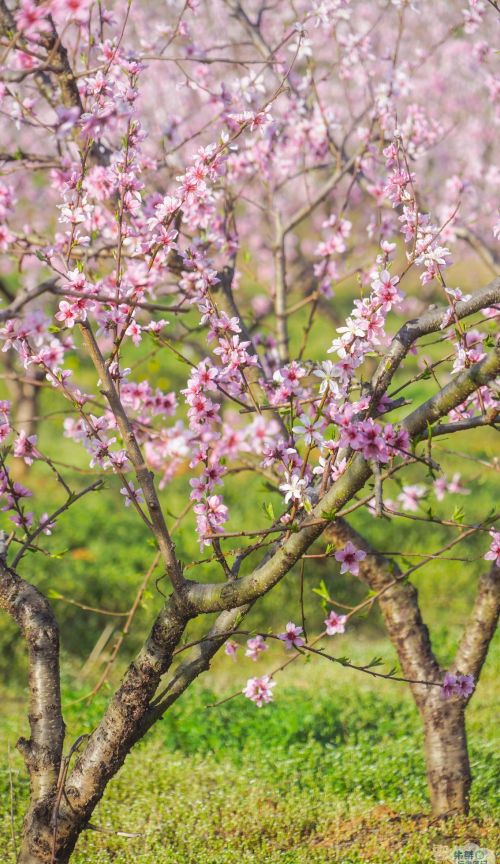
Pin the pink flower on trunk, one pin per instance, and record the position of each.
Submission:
(448, 686)
(465, 685)
(292, 636)
(255, 646)
(258, 690)
(493, 553)
(350, 557)
(335, 623)
(457, 685)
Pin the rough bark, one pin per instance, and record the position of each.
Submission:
(400, 610)
(43, 751)
(446, 756)
(118, 731)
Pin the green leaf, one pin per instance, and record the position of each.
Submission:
(458, 514)
(269, 511)
(375, 661)
(329, 515)
(322, 591)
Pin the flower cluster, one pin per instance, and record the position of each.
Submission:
(259, 690)
(457, 685)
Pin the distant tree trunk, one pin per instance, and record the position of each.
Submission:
(25, 402)
(446, 756)
(447, 760)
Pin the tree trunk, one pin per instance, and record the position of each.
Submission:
(447, 760)
(37, 844)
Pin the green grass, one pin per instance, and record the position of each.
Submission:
(332, 771)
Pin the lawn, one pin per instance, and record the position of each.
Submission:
(332, 771)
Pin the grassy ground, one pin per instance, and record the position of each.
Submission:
(331, 772)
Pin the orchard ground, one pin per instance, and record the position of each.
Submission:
(337, 777)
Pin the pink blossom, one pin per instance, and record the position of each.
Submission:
(22, 520)
(449, 685)
(455, 488)
(457, 685)
(440, 488)
(46, 525)
(31, 19)
(493, 553)
(258, 690)
(465, 685)
(335, 623)
(350, 557)
(132, 495)
(77, 10)
(231, 648)
(410, 497)
(293, 488)
(384, 286)
(292, 636)
(67, 313)
(309, 430)
(134, 331)
(25, 447)
(255, 646)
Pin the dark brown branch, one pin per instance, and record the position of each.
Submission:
(67, 82)
(202, 654)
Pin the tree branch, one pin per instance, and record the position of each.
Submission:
(120, 728)
(212, 598)
(144, 476)
(430, 322)
(24, 297)
(489, 419)
(202, 654)
(480, 628)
